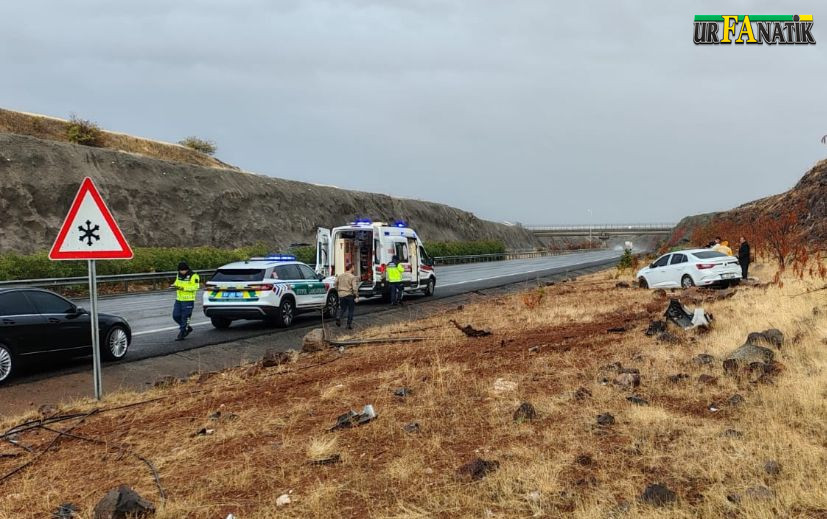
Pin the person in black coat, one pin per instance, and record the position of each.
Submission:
(743, 257)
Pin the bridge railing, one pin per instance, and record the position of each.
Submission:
(603, 227)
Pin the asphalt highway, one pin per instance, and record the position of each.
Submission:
(154, 331)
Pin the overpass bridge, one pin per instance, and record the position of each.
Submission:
(601, 231)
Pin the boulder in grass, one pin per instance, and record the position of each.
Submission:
(123, 503)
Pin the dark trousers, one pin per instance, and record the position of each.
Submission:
(347, 304)
(396, 293)
(181, 314)
(744, 269)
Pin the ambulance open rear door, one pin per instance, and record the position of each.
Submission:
(323, 251)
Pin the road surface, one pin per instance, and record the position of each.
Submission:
(150, 314)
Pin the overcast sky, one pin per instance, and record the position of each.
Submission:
(524, 110)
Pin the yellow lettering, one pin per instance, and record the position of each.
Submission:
(746, 29)
(729, 26)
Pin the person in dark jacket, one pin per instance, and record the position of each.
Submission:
(744, 257)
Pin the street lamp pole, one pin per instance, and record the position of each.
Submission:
(590, 227)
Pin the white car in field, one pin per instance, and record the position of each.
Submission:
(687, 268)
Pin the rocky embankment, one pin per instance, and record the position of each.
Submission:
(162, 204)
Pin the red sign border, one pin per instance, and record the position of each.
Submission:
(88, 186)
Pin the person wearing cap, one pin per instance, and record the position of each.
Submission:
(186, 286)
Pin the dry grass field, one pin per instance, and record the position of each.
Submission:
(550, 346)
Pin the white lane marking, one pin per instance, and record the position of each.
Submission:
(167, 329)
(502, 276)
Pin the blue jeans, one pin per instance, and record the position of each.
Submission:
(346, 306)
(181, 314)
(396, 293)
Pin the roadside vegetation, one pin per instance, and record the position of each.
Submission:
(202, 145)
(165, 259)
(568, 409)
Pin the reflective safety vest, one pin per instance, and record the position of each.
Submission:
(395, 271)
(187, 287)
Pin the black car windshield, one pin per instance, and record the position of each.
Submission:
(238, 275)
(708, 254)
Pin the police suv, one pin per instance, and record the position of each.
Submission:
(273, 288)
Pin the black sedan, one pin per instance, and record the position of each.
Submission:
(36, 322)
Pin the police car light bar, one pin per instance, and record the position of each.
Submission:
(275, 257)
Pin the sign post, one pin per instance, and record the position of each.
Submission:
(90, 233)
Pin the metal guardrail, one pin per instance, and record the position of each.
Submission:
(157, 277)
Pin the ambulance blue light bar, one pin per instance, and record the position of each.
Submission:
(400, 223)
(362, 221)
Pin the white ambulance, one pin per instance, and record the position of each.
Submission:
(369, 246)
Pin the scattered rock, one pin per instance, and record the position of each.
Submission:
(622, 284)
(735, 400)
(707, 379)
(748, 353)
(412, 427)
(732, 433)
(637, 400)
(477, 469)
(534, 349)
(774, 336)
(759, 492)
(204, 432)
(164, 382)
(502, 385)
(283, 500)
(772, 467)
(655, 327)
(616, 329)
(525, 413)
(402, 392)
(678, 377)
(470, 331)
(627, 380)
(66, 511)
(703, 359)
(123, 503)
(605, 419)
(582, 393)
(658, 495)
(272, 359)
(314, 341)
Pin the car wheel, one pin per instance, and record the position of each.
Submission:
(116, 344)
(6, 363)
(430, 287)
(331, 307)
(642, 283)
(286, 311)
(686, 281)
(221, 323)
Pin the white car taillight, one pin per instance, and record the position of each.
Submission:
(703, 266)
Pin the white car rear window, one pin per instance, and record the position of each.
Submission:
(708, 254)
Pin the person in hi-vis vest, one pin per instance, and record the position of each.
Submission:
(186, 286)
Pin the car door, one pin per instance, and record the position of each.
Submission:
(317, 292)
(301, 289)
(65, 328)
(658, 271)
(677, 268)
(323, 251)
(21, 325)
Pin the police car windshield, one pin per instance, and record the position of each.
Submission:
(238, 275)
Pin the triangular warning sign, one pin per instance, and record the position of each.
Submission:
(89, 231)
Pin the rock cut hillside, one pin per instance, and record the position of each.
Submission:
(161, 203)
(808, 198)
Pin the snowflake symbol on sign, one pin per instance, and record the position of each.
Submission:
(88, 233)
